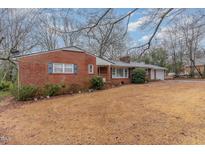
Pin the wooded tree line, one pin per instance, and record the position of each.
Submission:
(175, 36)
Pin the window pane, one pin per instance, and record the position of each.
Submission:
(58, 68)
(68, 68)
(90, 68)
(113, 71)
(126, 73)
(120, 72)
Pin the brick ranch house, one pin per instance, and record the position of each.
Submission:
(73, 65)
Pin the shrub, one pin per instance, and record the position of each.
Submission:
(52, 89)
(24, 92)
(5, 85)
(138, 75)
(97, 82)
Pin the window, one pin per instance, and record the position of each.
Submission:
(63, 68)
(68, 68)
(57, 68)
(120, 73)
(90, 69)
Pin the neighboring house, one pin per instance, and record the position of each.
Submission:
(200, 65)
(73, 65)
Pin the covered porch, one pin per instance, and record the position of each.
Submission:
(105, 72)
(115, 74)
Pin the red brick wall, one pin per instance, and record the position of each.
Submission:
(120, 80)
(33, 70)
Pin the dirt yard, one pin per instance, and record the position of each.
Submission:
(168, 112)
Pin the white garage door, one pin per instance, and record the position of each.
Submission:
(160, 74)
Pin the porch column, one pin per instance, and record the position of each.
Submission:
(149, 73)
(109, 73)
(99, 71)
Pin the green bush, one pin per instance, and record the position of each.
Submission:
(4, 94)
(97, 82)
(5, 85)
(24, 92)
(138, 75)
(52, 89)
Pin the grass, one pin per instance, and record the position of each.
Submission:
(168, 112)
(4, 94)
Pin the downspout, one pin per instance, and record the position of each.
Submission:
(18, 79)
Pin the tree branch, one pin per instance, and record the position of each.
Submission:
(7, 59)
(148, 44)
(98, 21)
(1, 39)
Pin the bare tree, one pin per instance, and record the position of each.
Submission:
(48, 38)
(193, 32)
(104, 31)
(16, 32)
(103, 18)
(182, 38)
(68, 24)
(107, 40)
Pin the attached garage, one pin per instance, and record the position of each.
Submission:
(157, 74)
(160, 74)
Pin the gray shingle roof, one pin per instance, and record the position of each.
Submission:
(111, 62)
(135, 64)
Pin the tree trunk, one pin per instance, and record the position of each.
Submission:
(194, 66)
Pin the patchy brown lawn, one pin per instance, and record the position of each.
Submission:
(169, 112)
